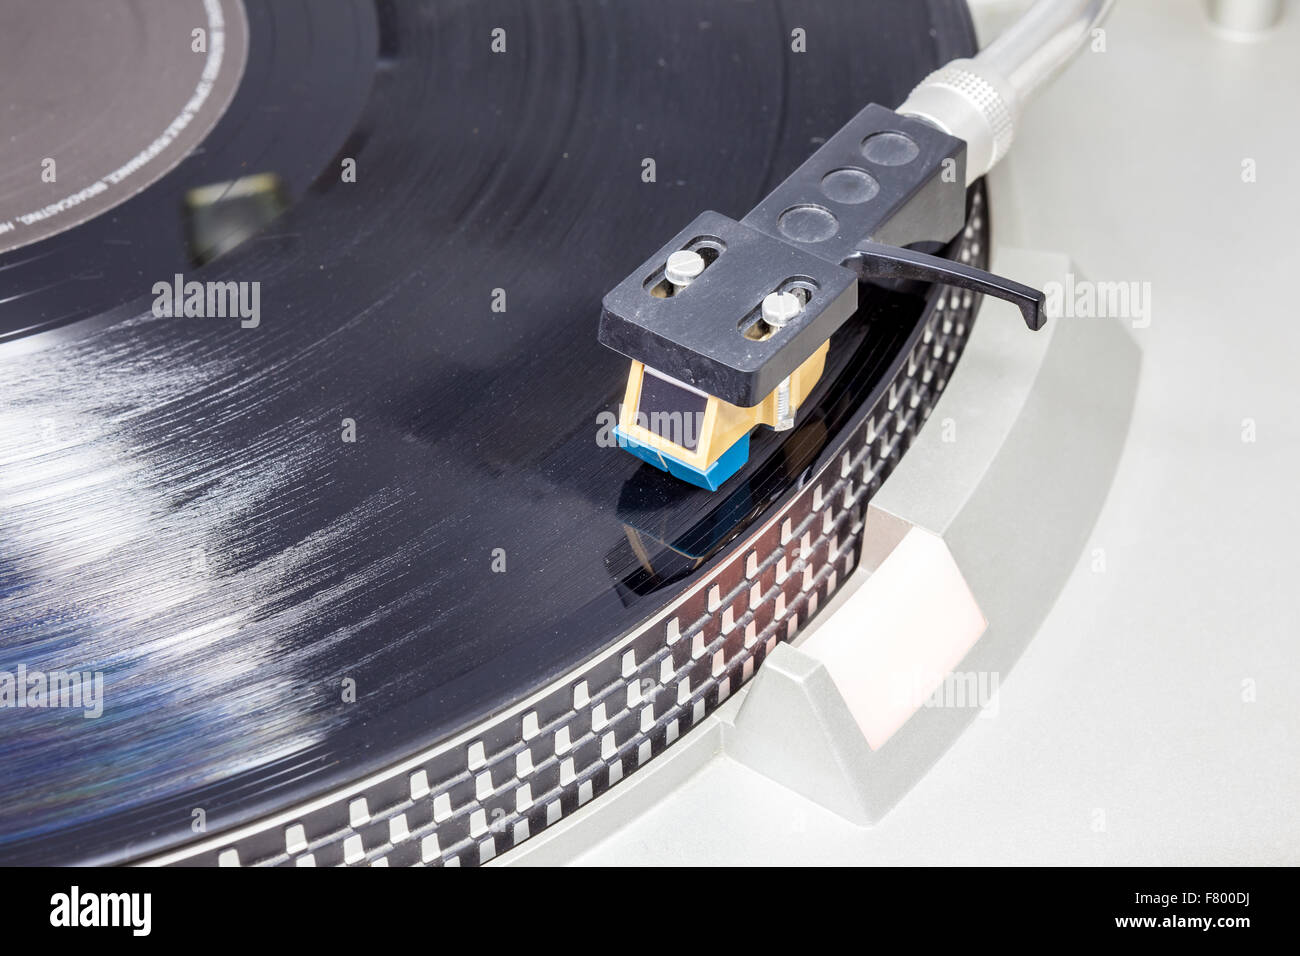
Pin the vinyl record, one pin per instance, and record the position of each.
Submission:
(308, 540)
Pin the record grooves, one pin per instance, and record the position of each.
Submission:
(181, 511)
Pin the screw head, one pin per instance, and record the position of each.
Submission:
(779, 308)
(683, 266)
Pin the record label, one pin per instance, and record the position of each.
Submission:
(89, 123)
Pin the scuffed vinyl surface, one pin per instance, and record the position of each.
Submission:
(178, 508)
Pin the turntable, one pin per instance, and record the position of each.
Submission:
(421, 420)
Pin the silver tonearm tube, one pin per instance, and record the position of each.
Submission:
(980, 100)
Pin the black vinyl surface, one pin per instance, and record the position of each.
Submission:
(178, 506)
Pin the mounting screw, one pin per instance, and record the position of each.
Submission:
(683, 266)
(784, 407)
(780, 307)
